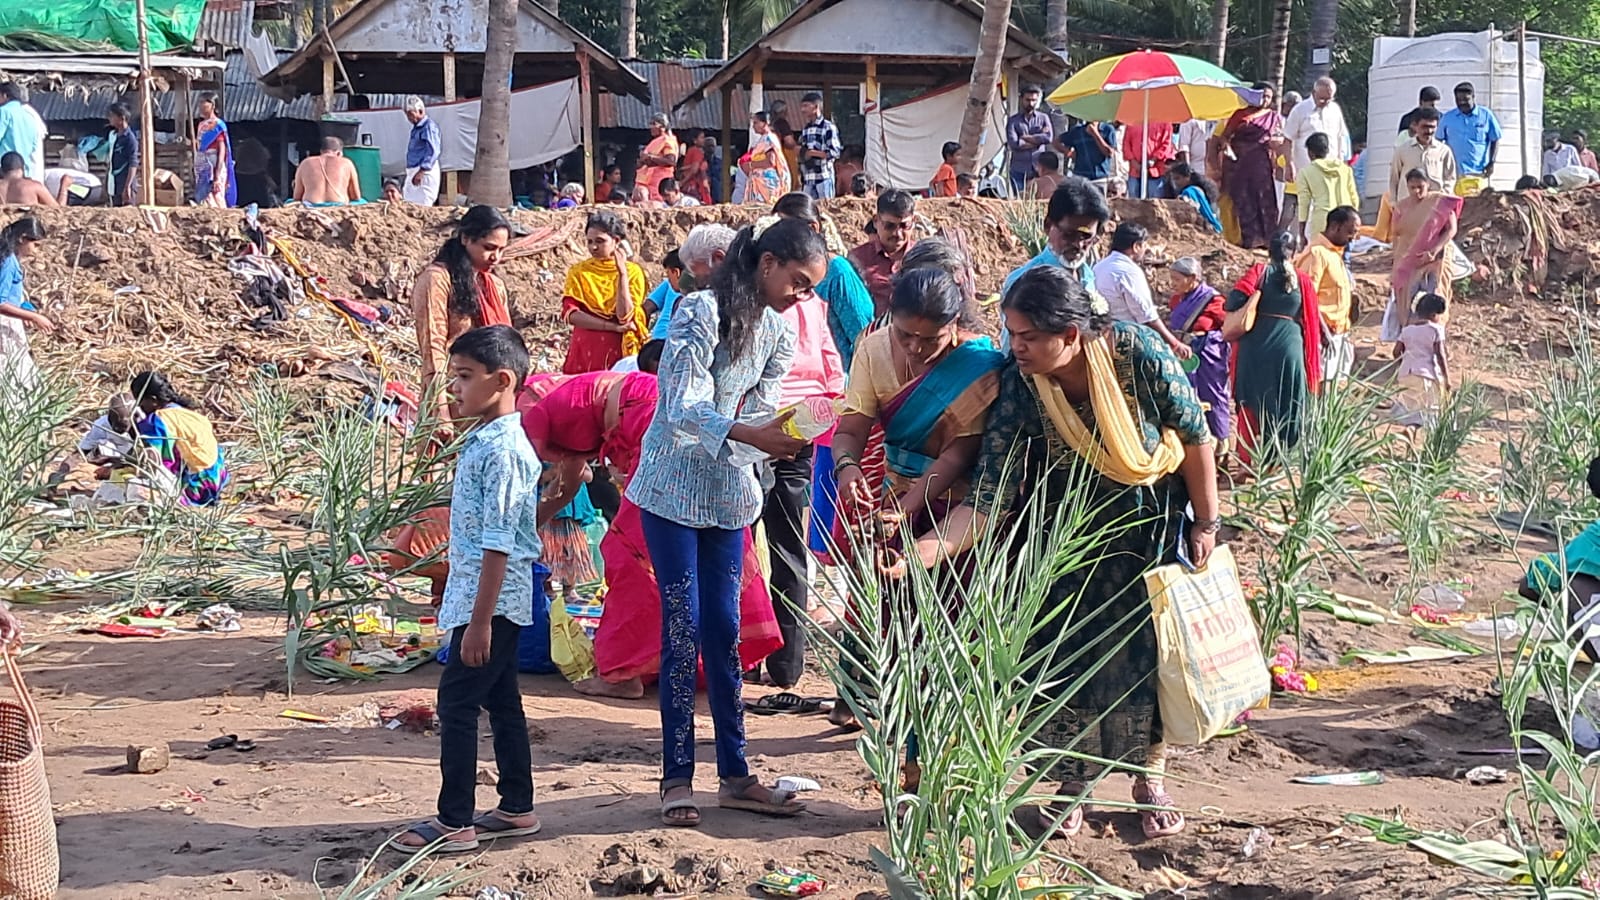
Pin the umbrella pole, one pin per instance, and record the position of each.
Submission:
(1144, 152)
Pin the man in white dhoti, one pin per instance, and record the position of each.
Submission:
(421, 185)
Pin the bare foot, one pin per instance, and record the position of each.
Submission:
(632, 689)
(842, 717)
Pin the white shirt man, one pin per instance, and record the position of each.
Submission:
(1192, 138)
(1317, 113)
(1123, 284)
(1560, 155)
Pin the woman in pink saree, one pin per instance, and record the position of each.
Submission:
(571, 420)
(1425, 222)
(765, 168)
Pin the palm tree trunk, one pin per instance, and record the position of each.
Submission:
(1055, 29)
(1219, 30)
(491, 164)
(985, 75)
(628, 29)
(1278, 50)
(1411, 18)
(1324, 29)
(723, 46)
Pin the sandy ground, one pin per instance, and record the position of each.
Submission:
(311, 803)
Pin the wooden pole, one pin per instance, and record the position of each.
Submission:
(727, 144)
(325, 102)
(1522, 95)
(451, 184)
(147, 115)
(586, 102)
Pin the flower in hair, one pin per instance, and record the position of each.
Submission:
(761, 225)
(1097, 303)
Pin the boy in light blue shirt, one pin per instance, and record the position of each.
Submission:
(659, 303)
(488, 599)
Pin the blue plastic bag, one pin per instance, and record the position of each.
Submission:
(533, 647)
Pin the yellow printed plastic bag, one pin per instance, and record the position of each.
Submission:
(1210, 666)
(570, 649)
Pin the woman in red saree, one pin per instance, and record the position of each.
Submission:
(604, 415)
(1252, 138)
(694, 171)
(1278, 361)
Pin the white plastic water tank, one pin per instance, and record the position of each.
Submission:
(1402, 67)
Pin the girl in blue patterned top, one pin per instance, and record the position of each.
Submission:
(697, 491)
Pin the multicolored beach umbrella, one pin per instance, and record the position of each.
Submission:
(1151, 86)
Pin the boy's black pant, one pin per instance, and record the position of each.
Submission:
(464, 690)
(785, 518)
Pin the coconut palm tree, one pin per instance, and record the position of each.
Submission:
(1219, 30)
(1278, 50)
(628, 30)
(491, 164)
(1324, 25)
(985, 75)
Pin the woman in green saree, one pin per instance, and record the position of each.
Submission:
(1113, 396)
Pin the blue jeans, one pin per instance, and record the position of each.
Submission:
(820, 190)
(1019, 180)
(698, 570)
(1158, 188)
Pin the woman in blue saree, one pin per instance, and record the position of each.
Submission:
(181, 438)
(928, 381)
(213, 158)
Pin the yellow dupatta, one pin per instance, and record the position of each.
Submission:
(1119, 452)
(592, 284)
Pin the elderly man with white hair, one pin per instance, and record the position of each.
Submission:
(1318, 113)
(421, 185)
(703, 249)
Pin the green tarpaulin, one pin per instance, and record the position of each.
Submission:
(110, 23)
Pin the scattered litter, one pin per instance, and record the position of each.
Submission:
(796, 784)
(192, 796)
(149, 760)
(1397, 657)
(1441, 597)
(1487, 775)
(245, 746)
(223, 742)
(1503, 628)
(1257, 840)
(490, 892)
(1342, 779)
(1503, 751)
(299, 716)
(219, 617)
(375, 799)
(786, 882)
(417, 715)
(117, 629)
(1285, 665)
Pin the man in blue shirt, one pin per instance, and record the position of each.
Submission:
(1027, 132)
(1472, 133)
(422, 156)
(21, 130)
(1073, 220)
(1088, 145)
(124, 155)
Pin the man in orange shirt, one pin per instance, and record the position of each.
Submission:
(1323, 261)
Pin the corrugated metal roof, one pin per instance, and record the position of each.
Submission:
(670, 81)
(243, 100)
(226, 23)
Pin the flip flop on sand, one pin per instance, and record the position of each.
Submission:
(430, 832)
(1162, 821)
(735, 794)
(496, 824)
(785, 702)
(681, 804)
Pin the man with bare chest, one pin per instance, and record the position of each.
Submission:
(327, 178)
(17, 189)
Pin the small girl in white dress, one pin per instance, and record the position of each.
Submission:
(1424, 365)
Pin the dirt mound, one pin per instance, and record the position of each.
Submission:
(1533, 241)
(133, 289)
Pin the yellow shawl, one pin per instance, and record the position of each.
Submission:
(1119, 452)
(192, 435)
(592, 284)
